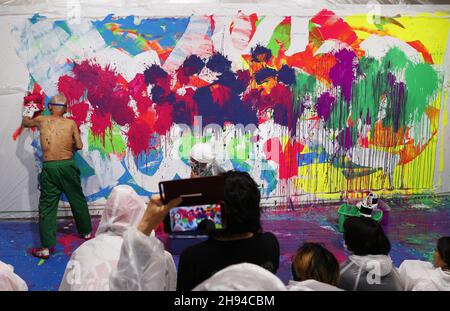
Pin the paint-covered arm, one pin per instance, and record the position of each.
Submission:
(77, 143)
(28, 122)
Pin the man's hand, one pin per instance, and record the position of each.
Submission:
(155, 213)
(28, 122)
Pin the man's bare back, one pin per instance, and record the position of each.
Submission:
(59, 136)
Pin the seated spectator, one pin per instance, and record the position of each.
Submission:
(369, 267)
(92, 263)
(240, 241)
(423, 276)
(9, 281)
(144, 264)
(242, 277)
(203, 161)
(314, 268)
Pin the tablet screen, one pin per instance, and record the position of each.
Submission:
(187, 218)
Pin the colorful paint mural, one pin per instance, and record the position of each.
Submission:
(355, 108)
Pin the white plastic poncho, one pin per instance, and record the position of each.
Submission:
(371, 272)
(144, 265)
(9, 281)
(91, 264)
(203, 154)
(311, 285)
(242, 277)
(423, 276)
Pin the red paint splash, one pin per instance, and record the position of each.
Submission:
(35, 97)
(331, 26)
(221, 94)
(287, 159)
(165, 120)
(100, 122)
(69, 242)
(138, 90)
(79, 112)
(106, 91)
(140, 133)
(316, 65)
(243, 34)
(423, 50)
(72, 89)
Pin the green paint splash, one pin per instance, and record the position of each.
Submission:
(112, 144)
(305, 87)
(280, 37)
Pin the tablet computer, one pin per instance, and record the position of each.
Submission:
(202, 199)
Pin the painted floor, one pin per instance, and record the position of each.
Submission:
(413, 227)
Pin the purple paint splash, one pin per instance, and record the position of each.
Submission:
(324, 105)
(343, 72)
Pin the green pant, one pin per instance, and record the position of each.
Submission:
(58, 177)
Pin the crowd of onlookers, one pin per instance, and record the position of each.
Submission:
(126, 255)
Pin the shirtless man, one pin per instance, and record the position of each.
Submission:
(59, 138)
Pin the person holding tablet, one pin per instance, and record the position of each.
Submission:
(241, 240)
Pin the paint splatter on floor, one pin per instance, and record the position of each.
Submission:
(412, 229)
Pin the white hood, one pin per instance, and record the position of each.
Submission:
(242, 277)
(378, 264)
(441, 279)
(9, 281)
(202, 152)
(311, 285)
(124, 208)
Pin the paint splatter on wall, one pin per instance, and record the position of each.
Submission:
(357, 109)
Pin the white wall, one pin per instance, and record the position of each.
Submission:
(18, 169)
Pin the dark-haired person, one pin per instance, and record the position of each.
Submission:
(369, 267)
(314, 268)
(423, 276)
(242, 239)
(59, 138)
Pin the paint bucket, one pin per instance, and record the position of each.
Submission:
(349, 210)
